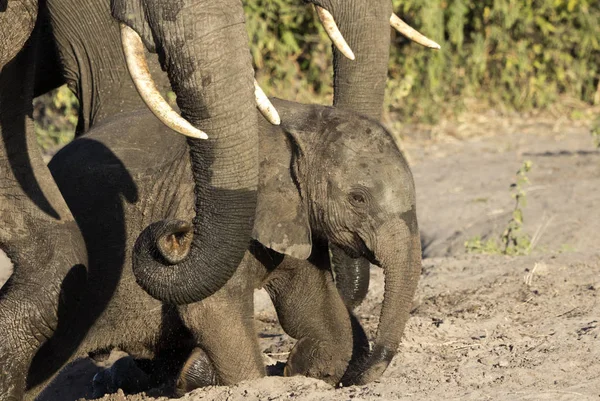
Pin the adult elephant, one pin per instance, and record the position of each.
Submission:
(31, 207)
(210, 71)
(359, 85)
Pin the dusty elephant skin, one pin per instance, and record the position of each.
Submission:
(89, 59)
(51, 270)
(482, 326)
(30, 207)
(305, 202)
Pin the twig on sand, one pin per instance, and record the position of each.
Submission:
(539, 232)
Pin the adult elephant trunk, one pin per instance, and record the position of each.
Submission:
(203, 45)
(398, 252)
(359, 84)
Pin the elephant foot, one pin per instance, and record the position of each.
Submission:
(316, 359)
(198, 371)
(124, 374)
(369, 367)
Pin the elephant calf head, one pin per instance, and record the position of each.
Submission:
(343, 179)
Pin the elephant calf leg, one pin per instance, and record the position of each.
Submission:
(311, 310)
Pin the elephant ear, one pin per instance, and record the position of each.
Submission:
(281, 221)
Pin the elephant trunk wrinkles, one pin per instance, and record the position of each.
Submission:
(211, 72)
(399, 254)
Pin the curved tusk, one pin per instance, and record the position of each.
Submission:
(333, 32)
(265, 106)
(411, 33)
(138, 69)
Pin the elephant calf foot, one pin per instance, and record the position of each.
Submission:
(198, 371)
(316, 359)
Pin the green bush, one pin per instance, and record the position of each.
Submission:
(517, 54)
(509, 54)
(55, 116)
(290, 50)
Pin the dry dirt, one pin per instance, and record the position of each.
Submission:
(483, 326)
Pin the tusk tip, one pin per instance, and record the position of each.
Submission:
(404, 29)
(193, 133)
(271, 115)
(346, 51)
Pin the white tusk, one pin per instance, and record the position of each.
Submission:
(411, 33)
(265, 106)
(333, 32)
(138, 69)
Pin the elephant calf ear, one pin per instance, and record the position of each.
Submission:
(281, 221)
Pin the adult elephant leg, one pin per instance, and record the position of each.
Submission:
(203, 46)
(37, 232)
(223, 329)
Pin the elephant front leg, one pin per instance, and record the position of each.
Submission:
(198, 371)
(310, 309)
(227, 350)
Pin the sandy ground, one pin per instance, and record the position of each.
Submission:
(483, 326)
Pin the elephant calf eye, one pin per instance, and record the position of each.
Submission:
(357, 198)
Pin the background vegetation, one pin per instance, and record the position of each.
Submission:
(507, 54)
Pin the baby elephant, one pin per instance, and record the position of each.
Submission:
(327, 177)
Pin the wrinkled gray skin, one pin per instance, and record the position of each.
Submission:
(212, 76)
(90, 60)
(359, 86)
(327, 177)
(31, 206)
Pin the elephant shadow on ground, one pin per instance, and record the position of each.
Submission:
(85, 293)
